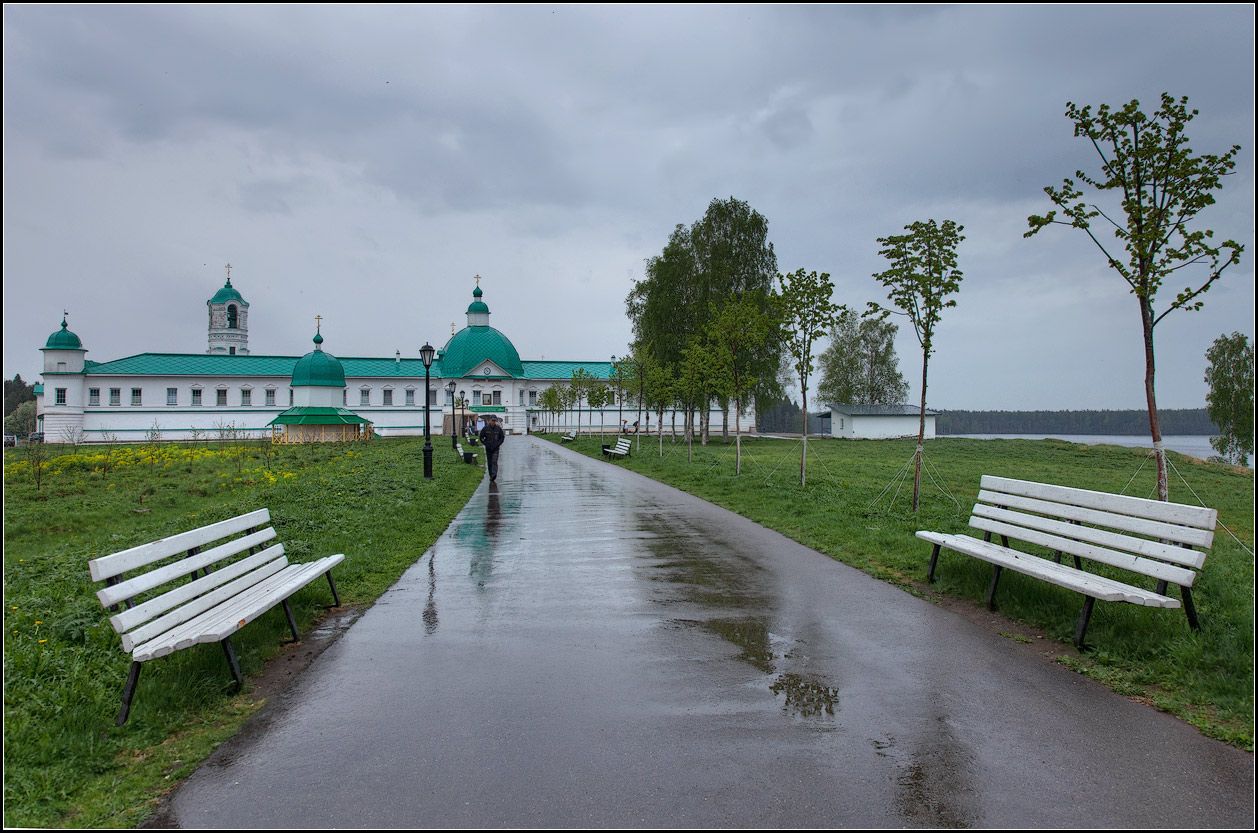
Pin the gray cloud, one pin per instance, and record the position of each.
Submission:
(552, 149)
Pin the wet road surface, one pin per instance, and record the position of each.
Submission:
(588, 648)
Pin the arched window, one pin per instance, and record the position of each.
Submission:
(231, 317)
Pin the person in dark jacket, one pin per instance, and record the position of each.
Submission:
(492, 438)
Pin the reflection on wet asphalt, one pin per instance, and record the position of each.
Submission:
(610, 652)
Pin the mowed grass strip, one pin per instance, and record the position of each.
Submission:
(857, 508)
(64, 668)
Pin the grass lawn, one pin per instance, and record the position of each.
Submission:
(66, 764)
(857, 508)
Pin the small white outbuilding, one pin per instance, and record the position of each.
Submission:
(879, 422)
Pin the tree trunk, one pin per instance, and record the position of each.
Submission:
(660, 429)
(725, 424)
(705, 417)
(921, 431)
(1155, 430)
(803, 454)
(738, 441)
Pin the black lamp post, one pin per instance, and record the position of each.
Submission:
(620, 421)
(454, 432)
(462, 407)
(425, 354)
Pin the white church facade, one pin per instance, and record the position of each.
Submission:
(187, 395)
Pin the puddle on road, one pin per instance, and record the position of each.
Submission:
(723, 581)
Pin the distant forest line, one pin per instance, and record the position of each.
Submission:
(1172, 422)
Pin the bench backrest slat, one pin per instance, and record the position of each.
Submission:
(1093, 552)
(1192, 536)
(109, 566)
(135, 616)
(1143, 547)
(1156, 510)
(156, 578)
(201, 604)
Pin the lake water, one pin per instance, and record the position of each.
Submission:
(1194, 445)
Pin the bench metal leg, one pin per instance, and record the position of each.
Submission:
(1088, 602)
(934, 558)
(231, 660)
(336, 599)
(991, 591)
(1189, 608)
(128, 692)
(292, 623)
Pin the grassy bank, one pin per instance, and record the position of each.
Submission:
(65, 762)
(857, 508)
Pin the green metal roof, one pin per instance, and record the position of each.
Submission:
(204, 364)
(303, 415)
(564, 370)
(471, 346)
(228, 293)
(63, 339)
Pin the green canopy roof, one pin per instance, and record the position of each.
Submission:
(305, 415)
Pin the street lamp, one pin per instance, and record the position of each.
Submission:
(620, 422)
(462, 408)
(454, 434)
(425, 354)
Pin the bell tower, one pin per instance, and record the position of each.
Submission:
(229, 321)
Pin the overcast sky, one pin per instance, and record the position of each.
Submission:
(364, 163)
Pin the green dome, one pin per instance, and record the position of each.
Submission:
(478, 305)
(471, 347)
(228, 293)
(318, 369)
(63, 339)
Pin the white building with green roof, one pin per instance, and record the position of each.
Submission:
(228, 387)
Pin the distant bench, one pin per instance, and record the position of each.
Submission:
(1150, 538)
(621, 449)
(468, 456)
(242, 579)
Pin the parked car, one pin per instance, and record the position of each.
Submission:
(36, 437)
(10, 440)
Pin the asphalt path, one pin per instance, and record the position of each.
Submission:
(585, 647)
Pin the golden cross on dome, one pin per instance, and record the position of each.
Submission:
(318, 321)
(229, 271)
(478, 280)
(451, 328)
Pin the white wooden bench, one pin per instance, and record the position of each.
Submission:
(567, 438)
(1150, 538)
(621, 449)
(243, 577)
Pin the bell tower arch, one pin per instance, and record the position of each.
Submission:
(229, 321)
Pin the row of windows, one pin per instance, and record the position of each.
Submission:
(172, 396)
(246, 397)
